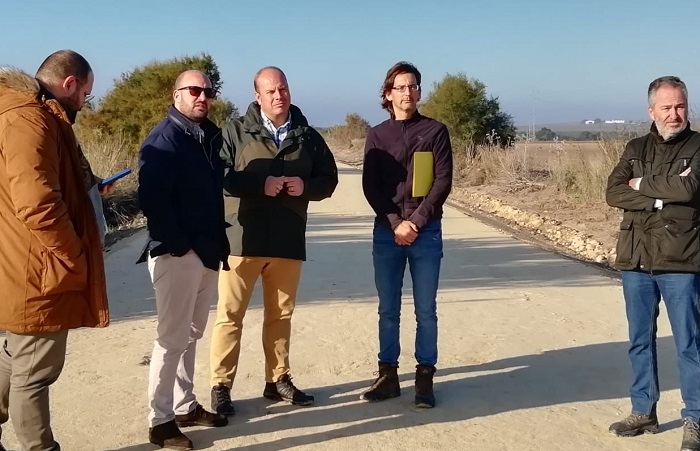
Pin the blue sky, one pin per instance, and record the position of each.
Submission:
(564, 60)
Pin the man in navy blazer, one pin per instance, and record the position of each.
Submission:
(180, 185)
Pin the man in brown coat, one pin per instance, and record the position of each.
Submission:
(51, 265)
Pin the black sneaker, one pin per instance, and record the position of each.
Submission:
(636, 424)
(385, 386)
(168, 435)
(424, 386)
(284, 390)
(691, 435)
(221, 400)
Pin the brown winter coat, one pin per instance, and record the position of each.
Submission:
(51, 266)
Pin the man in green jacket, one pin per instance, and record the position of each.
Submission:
(276, 164)
(657, 184)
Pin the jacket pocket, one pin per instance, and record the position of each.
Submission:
(679, 241)
(639, 167)
(61, 276)
(625, 243)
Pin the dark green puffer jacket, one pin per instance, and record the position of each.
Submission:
(263, 226)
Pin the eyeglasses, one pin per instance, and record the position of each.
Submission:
(402, 88)
(196, 91)
(89, 98)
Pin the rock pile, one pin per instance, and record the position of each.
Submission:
(578, 243)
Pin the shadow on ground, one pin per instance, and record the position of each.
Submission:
(579, 374)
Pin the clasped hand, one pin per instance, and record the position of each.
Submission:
(294, 186)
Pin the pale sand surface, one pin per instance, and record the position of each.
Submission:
(532, 353)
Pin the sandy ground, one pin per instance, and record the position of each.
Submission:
(532, 353)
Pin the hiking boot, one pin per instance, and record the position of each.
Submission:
(636, 424)
(200, 417)
(168, 435)
(424, 386)
(284, 390)
(691, 435)
(221, 400)
(385, 386)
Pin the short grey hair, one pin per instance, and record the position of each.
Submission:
(668, 80)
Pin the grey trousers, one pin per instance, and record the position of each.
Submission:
(29, 364)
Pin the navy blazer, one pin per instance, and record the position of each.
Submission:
(180, 190)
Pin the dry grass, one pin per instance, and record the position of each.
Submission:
(107, 155)
(577, 170)
(348, 140)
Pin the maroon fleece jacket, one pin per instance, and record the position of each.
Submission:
(387, 174)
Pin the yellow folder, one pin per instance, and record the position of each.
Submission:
(423, 173)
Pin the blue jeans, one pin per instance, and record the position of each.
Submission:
(424, 257)
(643, 292)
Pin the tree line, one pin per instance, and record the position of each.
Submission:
(139, 98)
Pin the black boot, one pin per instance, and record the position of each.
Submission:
(636, 424)
(285, 390)
(385, 386)
(424, 386)
(691, 435)
(221, 400)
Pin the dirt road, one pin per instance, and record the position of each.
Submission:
(532, 353)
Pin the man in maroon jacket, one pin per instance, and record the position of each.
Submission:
(407, 226)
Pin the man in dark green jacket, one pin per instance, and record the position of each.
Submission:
(276, 164)
(657, 184)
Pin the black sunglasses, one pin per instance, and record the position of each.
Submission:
(196, 91)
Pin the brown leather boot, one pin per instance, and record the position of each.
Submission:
(635, 424)
(168, 435)
(385, 386)
(200, 417)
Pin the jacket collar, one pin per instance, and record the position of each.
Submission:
(411, 120)
(679, 137)
(18, 89)
(252, 121)
(190, 127)
(57, 107)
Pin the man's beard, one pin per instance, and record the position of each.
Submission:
(667, 134)
(197, 115)
(70, 106)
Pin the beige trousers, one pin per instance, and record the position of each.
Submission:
(185, 290)
(280, 280)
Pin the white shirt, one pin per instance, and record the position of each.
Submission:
(278, 133)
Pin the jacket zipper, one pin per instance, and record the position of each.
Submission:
(210, 158)
(405, 160)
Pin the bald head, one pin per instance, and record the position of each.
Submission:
(272, 94)
(268, 71)
(187, 76)
(193, 95)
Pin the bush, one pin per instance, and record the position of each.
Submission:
(473, 118)
(348, 135)
(140, 98)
